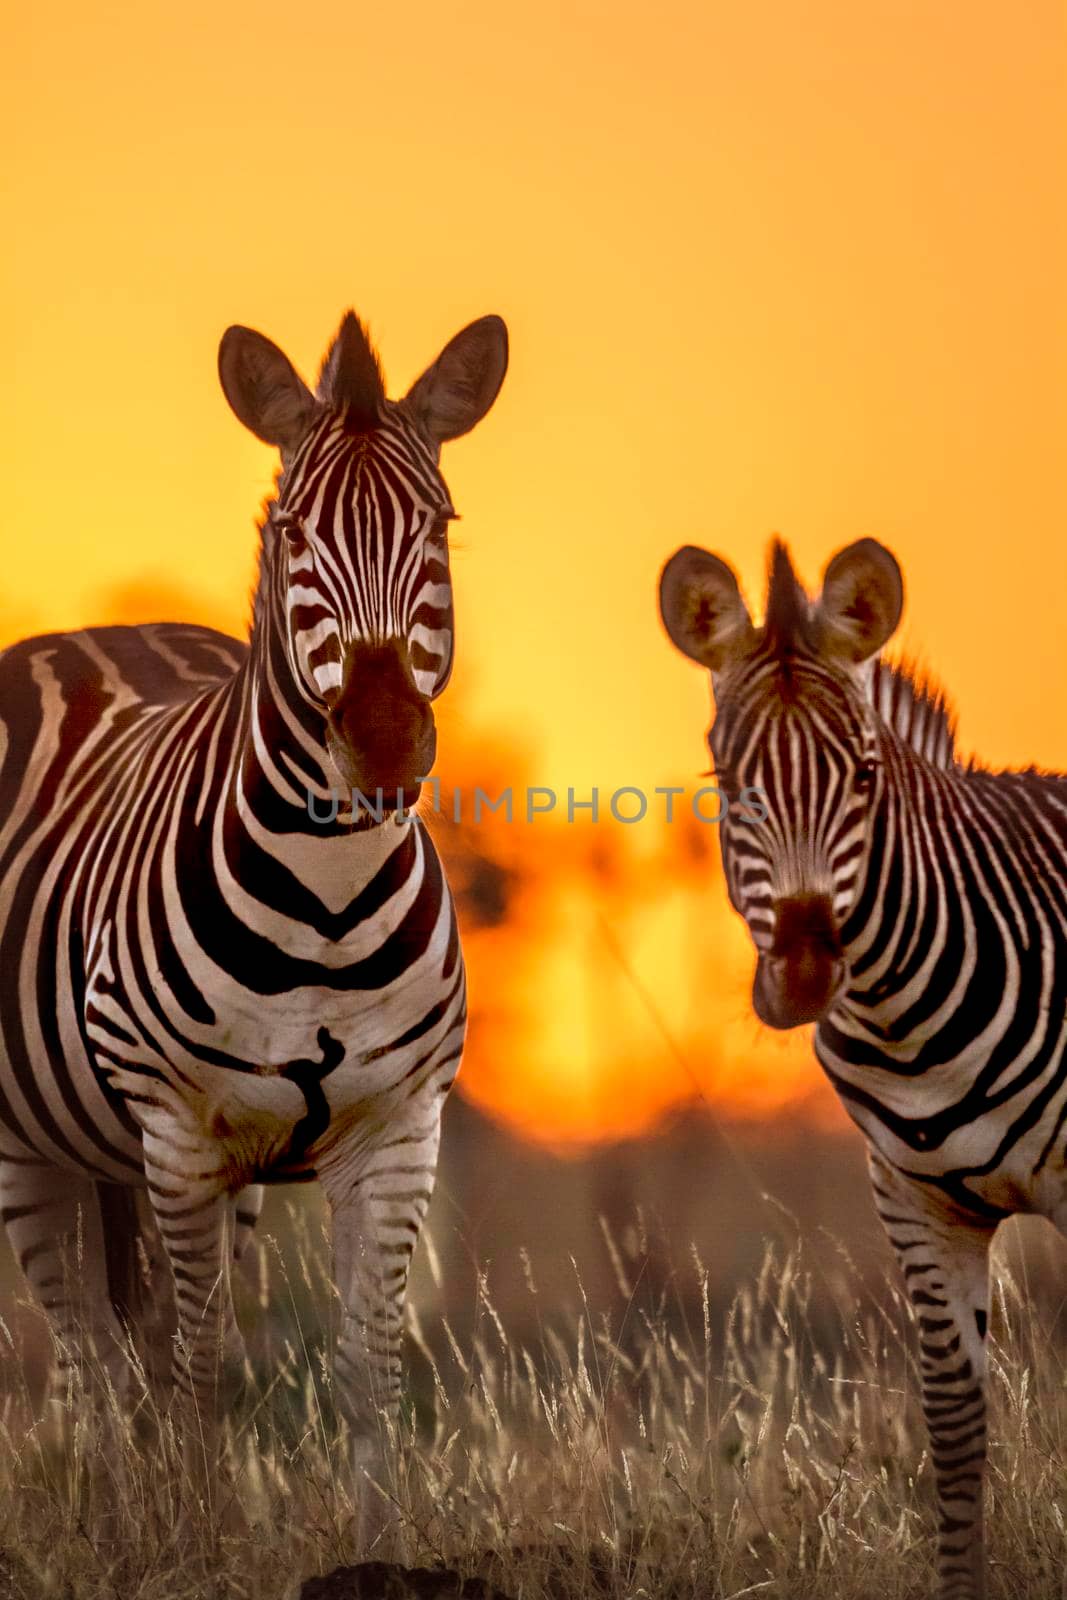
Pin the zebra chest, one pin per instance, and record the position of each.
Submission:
(982, 1132)
(277, 1123)
(271, 1076)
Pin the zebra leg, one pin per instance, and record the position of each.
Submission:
(944, 1255)
(152, 1315)
(376, 1216)
(53, 1220)
(195, 1216)
(156, 1320)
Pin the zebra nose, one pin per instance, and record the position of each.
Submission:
(380, 729)
(800, 977)
(804, 919)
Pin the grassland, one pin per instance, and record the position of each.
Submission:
(659, 1446)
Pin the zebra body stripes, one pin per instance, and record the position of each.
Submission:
(916, 911)
(206, 989)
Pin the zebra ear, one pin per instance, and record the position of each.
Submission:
(264, 391)
(861, 601)
(702, 608)
(457, 391)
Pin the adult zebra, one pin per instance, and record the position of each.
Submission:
(206, 984)
(916, 911)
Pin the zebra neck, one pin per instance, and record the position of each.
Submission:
(284, 755)
(287, 797)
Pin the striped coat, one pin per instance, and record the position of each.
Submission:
(211, 981)
(915, 910)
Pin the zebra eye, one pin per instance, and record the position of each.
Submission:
(435, 544)
(866, 773)
(292, 526)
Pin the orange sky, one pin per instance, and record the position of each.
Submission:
(767, 267)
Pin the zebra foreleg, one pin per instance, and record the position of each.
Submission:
(944, 1255)
(53, 1220)
(157, 1312)
(195, 1215)
(376, 1218)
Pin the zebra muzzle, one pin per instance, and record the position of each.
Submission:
(380, 730)
(802, 974)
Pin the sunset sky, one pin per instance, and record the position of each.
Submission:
(766, 268)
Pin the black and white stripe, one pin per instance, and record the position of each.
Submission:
(915, 909)
(205, 989)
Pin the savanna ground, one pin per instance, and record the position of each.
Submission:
(663, 1442)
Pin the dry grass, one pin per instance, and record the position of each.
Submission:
(657, 1448)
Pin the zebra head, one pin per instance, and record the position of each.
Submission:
(795, 722)
(355, 546)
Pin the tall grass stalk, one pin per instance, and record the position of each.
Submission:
(656, 1447)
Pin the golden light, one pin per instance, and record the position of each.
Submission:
(765, 268)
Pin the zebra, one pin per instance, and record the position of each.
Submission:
(913, 907)
(214, 980)
(916, 709)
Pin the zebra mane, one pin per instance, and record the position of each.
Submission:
(916, 709)
(906, 698)
(786, 617)
(352, 377)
